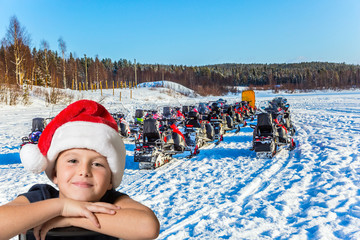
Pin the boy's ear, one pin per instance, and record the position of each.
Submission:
(54, 177)
(110, 185)
(111, 182)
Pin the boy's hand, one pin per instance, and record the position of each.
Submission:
(73, 208)
(41, 231)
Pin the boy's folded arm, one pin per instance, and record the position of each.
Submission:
(20, 215)
(132, 221)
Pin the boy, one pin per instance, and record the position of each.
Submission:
(81, 151)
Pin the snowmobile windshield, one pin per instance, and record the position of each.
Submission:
(167, 111)
(139, 113)
(37, 124)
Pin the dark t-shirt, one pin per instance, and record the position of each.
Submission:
(40, 192)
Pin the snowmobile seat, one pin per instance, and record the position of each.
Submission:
(193, 123)
(151, 131)
(193, 115)
(265, 131)
(265, 125)
(151, 138)
(214, 117)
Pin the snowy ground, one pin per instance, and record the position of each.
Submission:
(225, 192)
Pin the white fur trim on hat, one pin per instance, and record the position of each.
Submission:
(95, 136)
(32, 158)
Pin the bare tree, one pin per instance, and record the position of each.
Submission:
(4, 45)
(62, 47)
(86, 73)
(44, 45)
(17, 36)
(76, 63)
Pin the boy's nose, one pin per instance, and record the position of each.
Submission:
(84, 171)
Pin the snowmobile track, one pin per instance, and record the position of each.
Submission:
(257, 182)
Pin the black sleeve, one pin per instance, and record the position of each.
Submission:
(111, 196)
(40, 192)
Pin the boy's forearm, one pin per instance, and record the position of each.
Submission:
(126, 224)
(21, 217)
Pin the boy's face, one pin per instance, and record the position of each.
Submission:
(82, 174)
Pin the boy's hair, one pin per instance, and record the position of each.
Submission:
(83, 124)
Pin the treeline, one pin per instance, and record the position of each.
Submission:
(299, 76)
(20, 64)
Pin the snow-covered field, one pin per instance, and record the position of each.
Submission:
(225, 192)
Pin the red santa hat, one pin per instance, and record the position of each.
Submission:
(83, 124)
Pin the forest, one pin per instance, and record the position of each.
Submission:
(22, 65)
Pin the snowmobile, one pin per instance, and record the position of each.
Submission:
(204, 108)
(283, 121)
(38, 125)
(149, 152)
(136, 126)
(278, 102)
(230, 118)
(216, 121)
(265, 136)
(139, 116)
(174, 115)
(180, 118)
(135, 131)
(221, 102)
(185, 110)
(279, 106)
(123, 125)
(204, 111)
(196, 133)
(168, 113)
(173, 138)
(270, 136)
(154, 114)
(238, 116)
(287, 118)
(242, 110)
(210, 131)
(247, 109)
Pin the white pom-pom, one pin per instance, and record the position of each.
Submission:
(32, 158)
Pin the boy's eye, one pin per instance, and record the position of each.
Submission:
(96, 164)
(72, 161)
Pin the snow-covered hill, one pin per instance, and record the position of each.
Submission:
(170, 85)
(225, 192)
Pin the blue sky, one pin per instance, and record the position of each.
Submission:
(194, 32)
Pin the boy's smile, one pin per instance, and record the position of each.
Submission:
(82, 184)
(82, 174)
